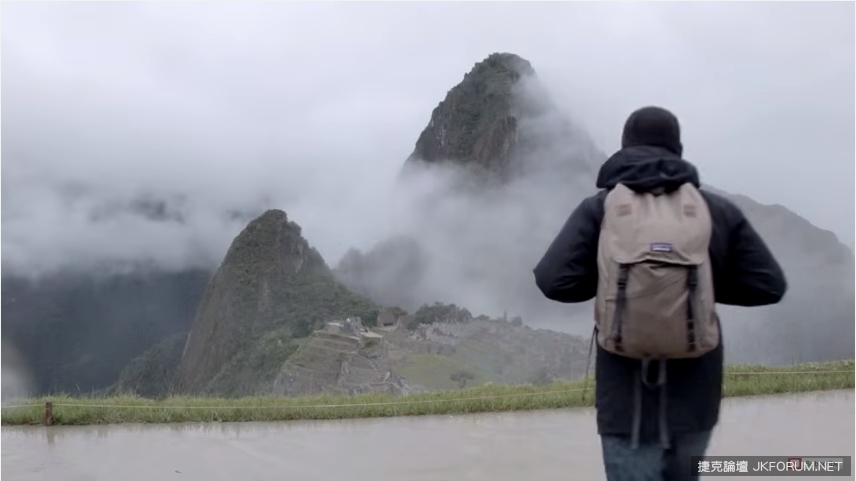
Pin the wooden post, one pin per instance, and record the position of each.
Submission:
(48, 413)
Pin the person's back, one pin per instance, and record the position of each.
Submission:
(653, 415)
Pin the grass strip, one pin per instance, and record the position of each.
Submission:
(743, 380)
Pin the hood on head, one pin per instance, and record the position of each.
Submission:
(655, 127)
(646, 168)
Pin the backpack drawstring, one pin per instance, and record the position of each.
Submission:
(664, 424)
(637, 403)
(588, 362)
(637, 396)
(637, 408)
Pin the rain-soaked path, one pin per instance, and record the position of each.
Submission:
(544, 445)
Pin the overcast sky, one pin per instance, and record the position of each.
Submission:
(316, 106)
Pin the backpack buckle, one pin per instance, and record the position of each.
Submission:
(623, 274)
(692, 278)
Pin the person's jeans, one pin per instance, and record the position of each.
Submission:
(650, 462)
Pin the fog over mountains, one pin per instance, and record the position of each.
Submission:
(133, 156)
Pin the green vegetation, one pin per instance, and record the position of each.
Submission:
(461, 377)
(482, 355)
(153, 373)
(439, 312)
(298, 289)
(271, 289)
(396, 312)
(740, 381)
(255, 367)
(305, 303)
(435, 372)
(541, 377)
(836, 375)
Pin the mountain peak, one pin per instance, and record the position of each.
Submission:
(497, 64)
(498, 122)
(474, 125)
(249, 295)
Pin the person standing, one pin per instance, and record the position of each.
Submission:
(657, 252)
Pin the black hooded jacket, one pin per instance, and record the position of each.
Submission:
(744, 271)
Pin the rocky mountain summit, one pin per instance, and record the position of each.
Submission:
(499, 123)
(504, 163)
(270, 279)
(475, 125)
(498, 128)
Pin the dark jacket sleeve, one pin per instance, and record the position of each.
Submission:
(568, 270)
(751, 276)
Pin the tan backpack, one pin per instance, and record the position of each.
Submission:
(655, 289)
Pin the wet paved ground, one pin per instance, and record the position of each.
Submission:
(544, 445)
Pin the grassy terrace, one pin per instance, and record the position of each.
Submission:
(739, 381)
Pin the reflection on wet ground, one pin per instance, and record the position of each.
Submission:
(542, 445)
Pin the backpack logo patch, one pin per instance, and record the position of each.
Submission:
(623, 209)
(661, 247)
(689, 210)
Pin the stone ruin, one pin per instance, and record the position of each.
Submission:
(385, 318)
(333, 327)
(354, 325)
(403, 321)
